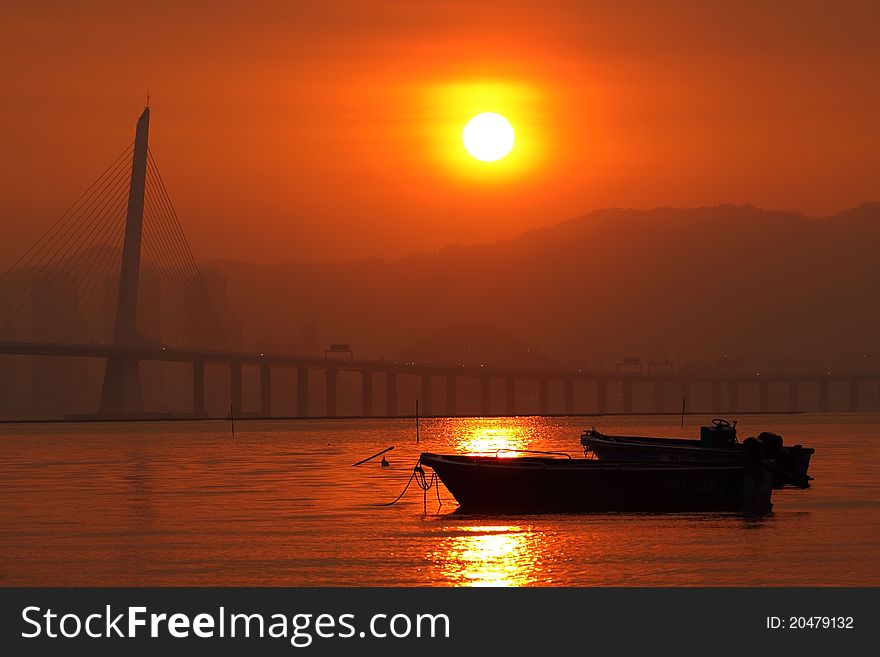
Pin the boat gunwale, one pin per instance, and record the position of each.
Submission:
(522, 463)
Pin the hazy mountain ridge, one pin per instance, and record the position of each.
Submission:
(635, 281)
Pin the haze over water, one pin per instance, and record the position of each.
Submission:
(279, 504)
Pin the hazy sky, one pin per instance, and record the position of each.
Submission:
(329, 130)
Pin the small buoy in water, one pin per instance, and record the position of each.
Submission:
(384, 463)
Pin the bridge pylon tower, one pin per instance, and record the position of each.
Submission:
(121, 390)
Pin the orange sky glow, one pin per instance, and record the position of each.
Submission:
(332, 130)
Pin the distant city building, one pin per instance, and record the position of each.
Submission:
(58, 384)
(55, 306)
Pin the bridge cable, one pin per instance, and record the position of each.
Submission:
(169, 275)
(18, 277)
(93, 305)
(212, 331)
(82, 261)
(190, 259)
(164, 244)
(60, 219)
(58, 246)
(100, 268)
(52, 246)
(60, 251)
(175, 271)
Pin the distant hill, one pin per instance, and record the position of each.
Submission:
(698, 282)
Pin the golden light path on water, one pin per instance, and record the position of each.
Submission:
(493, 436)
(489, 555)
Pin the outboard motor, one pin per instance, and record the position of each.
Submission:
(772, 445)
(721, 434)
(770, 438)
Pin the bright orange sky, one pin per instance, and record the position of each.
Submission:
(289, 132)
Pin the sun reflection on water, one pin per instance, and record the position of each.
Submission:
(493, 435)
(495, 555)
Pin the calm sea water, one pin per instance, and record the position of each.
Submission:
(280, 504)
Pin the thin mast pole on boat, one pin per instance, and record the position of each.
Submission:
(683, 403)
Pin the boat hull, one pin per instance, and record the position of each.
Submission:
(551, 485)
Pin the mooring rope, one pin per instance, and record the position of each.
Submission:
(423, 482)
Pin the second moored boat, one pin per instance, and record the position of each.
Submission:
(717, 444)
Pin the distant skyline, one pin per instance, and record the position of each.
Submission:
(330, 131)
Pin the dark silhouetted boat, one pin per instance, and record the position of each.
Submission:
(548, 484)
(717, 445)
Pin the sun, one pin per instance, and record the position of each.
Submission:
(488, 137)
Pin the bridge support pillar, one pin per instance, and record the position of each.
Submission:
(793, 396)
(601, 396)
(733, 396)
(659, 401)
(764, 396)
(823, 396)
(302, 391)
(627, 396)
(121, 390)
(510, 396)
(391, 394)
(330, 380)
(235, 387)
(330, 376)
(853, 396)
(485, 396)
(426, 395)
(265, 391)
(451, 395)
(569, 396)
(367, 392)
(198, 392)
(544, 396)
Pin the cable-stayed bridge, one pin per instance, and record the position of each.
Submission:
(75, 294)
(80, 282)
